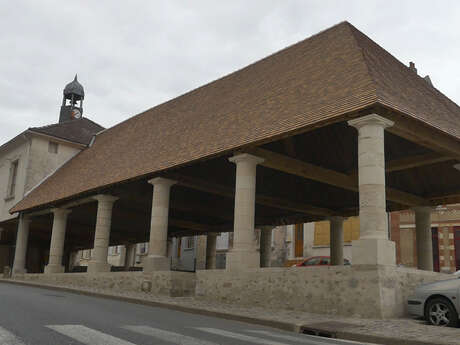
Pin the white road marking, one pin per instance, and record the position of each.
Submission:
(307, 338)
(239, 336)
(87, 335)
(172, 337)
(7, 338)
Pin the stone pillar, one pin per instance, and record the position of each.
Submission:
(336, 229)
(57, 241)
(170, 248)
(98, 262)
(157, 259)
(279, 252)
(244, 253)
(373, 247)
(266, 246)
(308, 239)
(211, 251)
(423, 238)
(130, 255)
(19, 265)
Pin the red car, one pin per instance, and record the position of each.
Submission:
(319, 261)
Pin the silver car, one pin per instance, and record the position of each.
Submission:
(438, 302)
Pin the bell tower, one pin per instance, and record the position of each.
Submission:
(72, 101)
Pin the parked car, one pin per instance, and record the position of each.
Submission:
(438, 302)
(319, 261)
(457, 273)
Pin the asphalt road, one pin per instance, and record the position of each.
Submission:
(36, 316)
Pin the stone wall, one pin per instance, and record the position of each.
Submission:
(360, 291)
(174, 284)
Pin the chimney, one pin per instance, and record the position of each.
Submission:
(412, 67)
(428, 80)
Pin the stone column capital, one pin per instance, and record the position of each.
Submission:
(246, 157)
(267, 227)
(105, 198)
(372, 119)
(26, 218)
(60, 212)
(336, 219)
(162, 181)
(422, 209)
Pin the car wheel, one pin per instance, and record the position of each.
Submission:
(440, 312)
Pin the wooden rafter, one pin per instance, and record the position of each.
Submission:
(416, 161)
(412, 162)
(296, 167)
(217, 189)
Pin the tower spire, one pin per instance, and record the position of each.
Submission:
(72, 101)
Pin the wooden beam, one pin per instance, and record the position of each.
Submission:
(289, 146)
(422, 134)
(412, 162)
(445, 199)
(309, 171)
(416, 161)
(282, 204)
(184, 224)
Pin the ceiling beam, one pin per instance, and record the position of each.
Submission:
(309, 171)
(185, 224)
(415, 161)
(412, 162)
(421, 134)
(282, 204)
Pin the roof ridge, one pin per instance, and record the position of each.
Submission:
(196, 89)
(420, 80)
(92, 121)
(353, 31)
(65, 122)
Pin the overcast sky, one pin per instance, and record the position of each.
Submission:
(133, 55)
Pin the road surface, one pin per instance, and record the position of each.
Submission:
(36, 316)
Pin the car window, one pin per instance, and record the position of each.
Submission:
(325, 261)
(312, 261)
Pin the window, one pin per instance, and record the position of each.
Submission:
(313, 261)
(142, 248)
(13, 177)
(189, 242)
(113, 250)
(53, 147)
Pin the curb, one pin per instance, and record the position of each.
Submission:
(361, 337)
(329, 332)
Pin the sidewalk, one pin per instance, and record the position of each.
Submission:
(388, 332)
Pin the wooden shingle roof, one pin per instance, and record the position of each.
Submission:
(335, 72)
(79, 131)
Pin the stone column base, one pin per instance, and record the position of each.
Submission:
(19, 271)
(238, 260)
(373, 251)
(157, 263)
(96, 267)
(54, 269)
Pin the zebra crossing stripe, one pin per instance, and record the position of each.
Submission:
(7, 338)
(172, 337)
(87, 335)
(239, 336)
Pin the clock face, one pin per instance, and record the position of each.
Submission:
(76, 114)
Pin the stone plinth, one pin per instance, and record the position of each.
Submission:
(366, 291)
